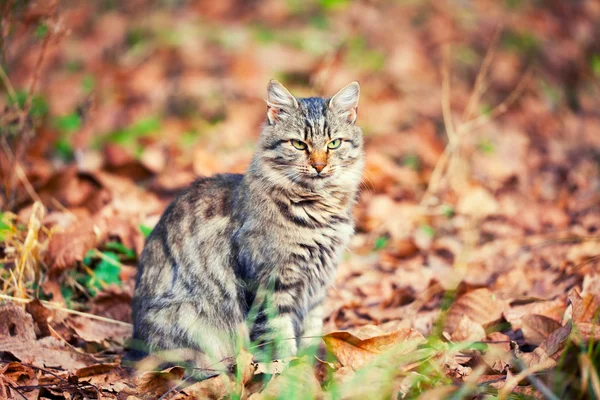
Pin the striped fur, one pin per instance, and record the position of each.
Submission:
(247, 257)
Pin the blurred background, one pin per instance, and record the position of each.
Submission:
(481, 121)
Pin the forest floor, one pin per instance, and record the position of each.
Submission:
(475, 268)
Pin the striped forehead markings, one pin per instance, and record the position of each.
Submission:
(314, 110)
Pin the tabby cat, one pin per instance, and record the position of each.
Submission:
(249, 257)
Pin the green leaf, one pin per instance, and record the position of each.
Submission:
(64, 149)
(381, 242)
(428, 230)
(412, 161)
(105, 273)
(4, 226)
(263, 34)
(361, 55)
(520, 42)
(595, 64)
(486, 146)
(333, 4)
(39, 106)
(67, 294)
(121, 248)
(88, 83)
(41, 30)
(146, 230)
(319, 21)
(129, 135)
(89, 256)
(448, 211)
(68, 123)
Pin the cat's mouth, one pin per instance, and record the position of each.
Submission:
(320, 176)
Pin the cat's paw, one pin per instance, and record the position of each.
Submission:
(309, 344)
(286, 348)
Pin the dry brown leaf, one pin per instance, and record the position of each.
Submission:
(537, 328)
(157, 383)
(92, 330)
(587, 331)
(498, 355)
(17, 372)
(357, 351)
(217, 387)
(557, 339)
(539, 359)
(480, 305)
(468, 331)
(586, 308)
(40, 316)
(478, 202)
(553, 309)
(113, 302)
(244, 363)
(95, 369)
(65, 248)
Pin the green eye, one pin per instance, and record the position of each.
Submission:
(298, 144)
(334, 144)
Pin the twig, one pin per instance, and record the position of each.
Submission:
(480, 85)
(67, 310)
(8, 85)
(57, 377)
(446, 109)
(16, 389)
(526, 373)
(502, 107)
(38, 65)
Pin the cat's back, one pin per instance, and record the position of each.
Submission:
(196, 223)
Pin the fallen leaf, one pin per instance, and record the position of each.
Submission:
(65, 248)
(557, 339)
(217, 387)
(478, 202)
(114, 303)
(480, 305)
(92, 330)
(17, 372)
(357, 351)
(498, 355)
(553, 309)
(537, 328)
(539, 359)
(586, 331)
(468, 331)
(40, 316)
(244, 364)
(586, 308)
(157, 383)
(95, 369)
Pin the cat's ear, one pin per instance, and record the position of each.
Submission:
(346, 101)
(279, 101)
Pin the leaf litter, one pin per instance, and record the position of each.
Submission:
(474, 271)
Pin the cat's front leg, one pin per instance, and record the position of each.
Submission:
(312, 328)
(282, 328)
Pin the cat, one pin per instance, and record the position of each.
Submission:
(238, 258)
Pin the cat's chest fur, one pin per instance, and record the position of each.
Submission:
(294, 240)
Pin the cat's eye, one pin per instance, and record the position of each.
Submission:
(334, 144)
(298, 144)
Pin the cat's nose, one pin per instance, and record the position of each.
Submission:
(318, 167)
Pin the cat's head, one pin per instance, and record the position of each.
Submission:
(312, 142)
